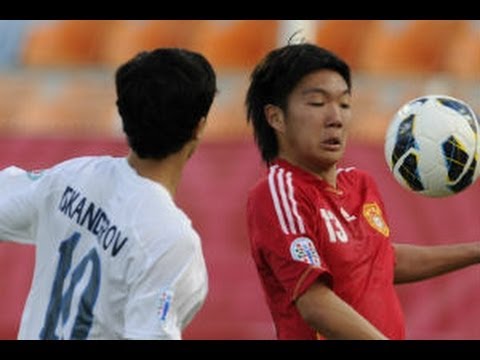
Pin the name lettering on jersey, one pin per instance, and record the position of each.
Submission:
(92, 217)
(373, 214)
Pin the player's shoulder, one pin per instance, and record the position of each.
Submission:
(162, 226)
(283, 179)
(156, 204)
(82, 161)
(84, 167)
(279, 185)
(259, 187)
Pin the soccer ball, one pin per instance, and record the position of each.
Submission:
(432, 146)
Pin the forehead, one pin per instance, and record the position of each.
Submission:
(322, 82)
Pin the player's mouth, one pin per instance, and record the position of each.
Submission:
(333, 143)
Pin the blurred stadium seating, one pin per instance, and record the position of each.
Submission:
(63, 69)
(57, 100)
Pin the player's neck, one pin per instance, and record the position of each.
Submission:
(328, 174)
(167, 171)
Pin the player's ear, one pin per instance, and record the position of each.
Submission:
(274, 116)
(200, 128)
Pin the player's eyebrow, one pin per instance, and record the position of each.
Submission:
(322, 91)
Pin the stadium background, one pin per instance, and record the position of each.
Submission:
(57, 101)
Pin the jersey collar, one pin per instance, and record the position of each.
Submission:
(307, 176)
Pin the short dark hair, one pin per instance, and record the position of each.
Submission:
(161, 97)
(275, 77)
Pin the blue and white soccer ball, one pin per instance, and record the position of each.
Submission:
(432, 146)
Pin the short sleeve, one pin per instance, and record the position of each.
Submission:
(167, 292)
(293, 268)
(283, 233)
(18, 211)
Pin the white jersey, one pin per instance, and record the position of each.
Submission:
(115, 257)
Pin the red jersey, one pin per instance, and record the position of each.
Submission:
(300, 229)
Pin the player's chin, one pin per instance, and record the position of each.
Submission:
(333, 152)
(330, 158)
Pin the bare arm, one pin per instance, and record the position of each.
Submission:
(324, 311)
(414, 263)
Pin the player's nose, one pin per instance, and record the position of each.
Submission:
(334, 115)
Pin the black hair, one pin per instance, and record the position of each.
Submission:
(161, 97)
(275, 77)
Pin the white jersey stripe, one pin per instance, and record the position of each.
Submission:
(276, 202)
(286, 205)
(291, 197)
(348, 169)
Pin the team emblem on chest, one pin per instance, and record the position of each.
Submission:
(373, 215)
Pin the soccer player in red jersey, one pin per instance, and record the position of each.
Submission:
(319, 233)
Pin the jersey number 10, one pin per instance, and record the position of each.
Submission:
(59, 306)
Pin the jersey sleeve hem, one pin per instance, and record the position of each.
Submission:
(135, 335)
(310, 275)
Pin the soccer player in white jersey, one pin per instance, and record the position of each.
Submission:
(115, 257)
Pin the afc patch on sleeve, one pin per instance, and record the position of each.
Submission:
(164, 304)
(302, 249)
(35, 174)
